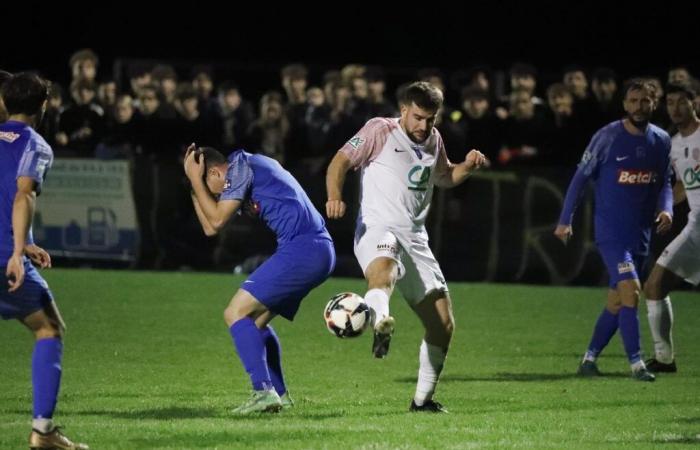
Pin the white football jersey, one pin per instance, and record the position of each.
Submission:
(685, 157)
(397, 174)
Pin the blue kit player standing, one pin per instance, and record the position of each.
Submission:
(629, 163)
(24, 295)
(305, 257)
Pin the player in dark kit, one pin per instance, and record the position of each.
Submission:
(305, 257)
(629, 163)
(25, 158)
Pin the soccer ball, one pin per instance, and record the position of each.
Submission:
(346, 315)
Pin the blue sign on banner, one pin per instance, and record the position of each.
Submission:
(86, 210)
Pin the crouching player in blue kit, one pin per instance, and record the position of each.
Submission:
(629, 163)
(24, 295)
(305, 257)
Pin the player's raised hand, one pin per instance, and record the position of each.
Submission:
(38, 255)
(335, 209)
(563, 233)
(664, 221)
(475, 160)
(15, 272)
(192, 148)
(194, 164)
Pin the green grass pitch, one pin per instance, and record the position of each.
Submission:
(149, 364)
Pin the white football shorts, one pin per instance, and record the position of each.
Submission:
(419, 272)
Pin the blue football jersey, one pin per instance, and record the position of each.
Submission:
(271, 192)
(629, 173)
(23, 153)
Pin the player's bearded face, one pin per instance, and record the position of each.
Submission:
(417, 122)
(639, 105)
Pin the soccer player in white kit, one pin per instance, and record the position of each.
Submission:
(401, 159)
(681, 258)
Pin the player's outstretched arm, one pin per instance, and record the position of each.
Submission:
(335, 179)
(451, 175)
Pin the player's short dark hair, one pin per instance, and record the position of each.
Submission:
(639, 84)
(686, 88)
(423, 94)
(24, 93)
(212, 158)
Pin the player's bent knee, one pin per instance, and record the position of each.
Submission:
(228, 316)
(449, 328)
(48, 331)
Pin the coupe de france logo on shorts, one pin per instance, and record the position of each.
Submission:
(625, 267)
(356, 142)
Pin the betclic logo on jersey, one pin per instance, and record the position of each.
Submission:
(634, 176)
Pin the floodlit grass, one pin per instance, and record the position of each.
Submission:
(149, 364)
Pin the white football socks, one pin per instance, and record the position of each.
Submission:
(42, 425)
(431, 358)
(378, 300)
(660, 315)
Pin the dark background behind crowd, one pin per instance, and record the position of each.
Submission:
(527, 85)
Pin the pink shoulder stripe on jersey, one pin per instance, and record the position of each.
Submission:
(368, 143)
